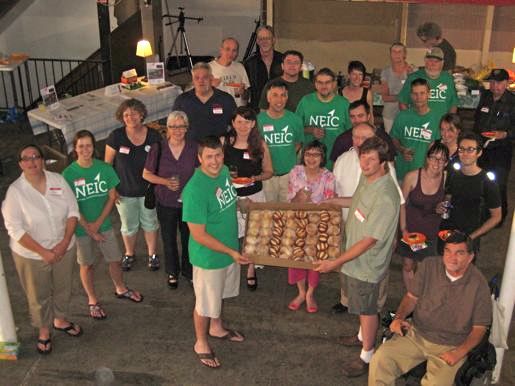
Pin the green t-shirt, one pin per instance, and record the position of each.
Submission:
(212, 202)
(416, 132)
(296, 90)
(281, 135)
(442, 92)
(333, 116)
(91, 187)
(374, 212)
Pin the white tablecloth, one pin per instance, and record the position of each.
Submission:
(95, 112)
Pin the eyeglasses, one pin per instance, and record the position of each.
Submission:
(468, 150)
(313, 154)
(177, 127)
(437, 159)
(33, 157)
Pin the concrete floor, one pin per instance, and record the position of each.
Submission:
(151, 343)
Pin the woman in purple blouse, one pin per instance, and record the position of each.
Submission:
(170, 172)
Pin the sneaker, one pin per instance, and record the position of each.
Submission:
(339, 308)
(153, 262)
(355, 368)
(172, 281)
(127, 261)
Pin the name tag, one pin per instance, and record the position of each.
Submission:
(426, 133)
(268, 128)
(79, 182)
(218, 110)
(125, 150)
(246, 155)
(56, 191)
(485, 109)
(360, 216)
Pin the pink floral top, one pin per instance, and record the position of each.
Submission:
(320, 190)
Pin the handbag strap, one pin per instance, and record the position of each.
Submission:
(158, 157)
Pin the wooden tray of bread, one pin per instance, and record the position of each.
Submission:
(292, 235)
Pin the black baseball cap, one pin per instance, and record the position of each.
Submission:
(498, 74)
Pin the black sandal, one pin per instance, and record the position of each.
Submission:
(250, 286)
(48, 346)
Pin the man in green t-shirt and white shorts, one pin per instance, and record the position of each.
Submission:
(283, 132)
(209, 208)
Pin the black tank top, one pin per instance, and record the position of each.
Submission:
(246, 167)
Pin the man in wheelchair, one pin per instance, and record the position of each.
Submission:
(451, 306)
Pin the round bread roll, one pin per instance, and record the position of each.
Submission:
(311, 240)
(251, 240)
(314, 218)
(266, 223)
(288, 241)
(333, 230)
(266, 214)
(322, 255)
(289, 214)
(252, 231)
(309, 259)
(300, 242)
(336, 219)
(311, 229)
(310, 251)
(322, 227)
(255, 216)
(275, 241)
(301, 214)
(321, 246)
(285, 252)
(333, 241)
(250, 249)
(323, 237)
(291, 223)
(289, 233)
(265, 232)
(277, 215)
(262, 246)
(333, 252)
(301, 233)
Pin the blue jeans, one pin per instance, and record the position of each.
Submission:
(169, 219)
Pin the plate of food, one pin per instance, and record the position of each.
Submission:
(240, 182)
(488, 134)
(414, 238)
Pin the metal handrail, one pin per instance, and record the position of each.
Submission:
(70, 76)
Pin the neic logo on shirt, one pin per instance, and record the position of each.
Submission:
(328, 122)
(419, 133)
(226, 197)
(439, 93)
(281, 138)
(84, 190)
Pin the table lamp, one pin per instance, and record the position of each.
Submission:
(513, 57)
(144, 49)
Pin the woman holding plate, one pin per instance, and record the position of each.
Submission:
(248, 158)
(423, 189)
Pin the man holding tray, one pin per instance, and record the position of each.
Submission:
(370, 231)
(209, 199)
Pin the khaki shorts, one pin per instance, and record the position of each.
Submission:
(212, 286)
(109, 248)
(362, 296)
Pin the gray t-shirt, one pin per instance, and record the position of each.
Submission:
(395, 83)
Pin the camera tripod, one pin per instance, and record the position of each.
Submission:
(180, 44)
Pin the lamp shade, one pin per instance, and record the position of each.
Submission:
(513, 57)
(143, 49)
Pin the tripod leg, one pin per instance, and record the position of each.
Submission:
(188, 53)
(174, 50)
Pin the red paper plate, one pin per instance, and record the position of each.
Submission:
(414, 238)
(488, 134)
(242, 180)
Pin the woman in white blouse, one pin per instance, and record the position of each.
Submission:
(40, 213)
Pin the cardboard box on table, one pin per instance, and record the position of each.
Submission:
(263, 257)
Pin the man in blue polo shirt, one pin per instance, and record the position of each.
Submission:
(209, 110)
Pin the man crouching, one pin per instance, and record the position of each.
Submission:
(451, 306)
(210, 211)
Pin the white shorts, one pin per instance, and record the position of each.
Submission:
(212, 286)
